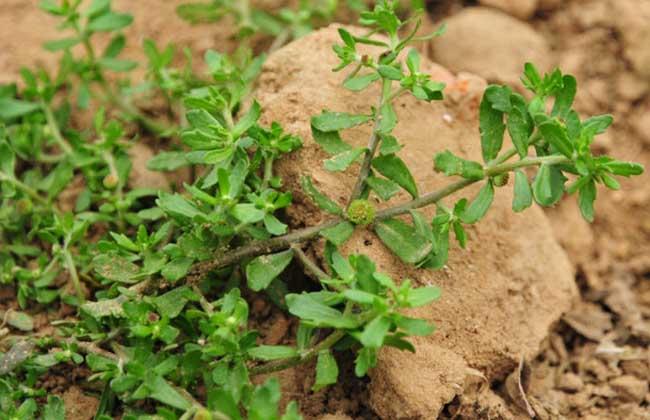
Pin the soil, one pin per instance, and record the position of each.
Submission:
(550, 347)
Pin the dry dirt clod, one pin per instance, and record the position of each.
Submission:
(630, 388)
(570, 382)
(141, 176)
(491, 44)
(630, 18)
(522, 9)
(502, 268)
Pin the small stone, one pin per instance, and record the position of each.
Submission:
(570, 382)
(522, 9)
(630, 388)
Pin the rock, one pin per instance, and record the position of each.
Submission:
(640, 122)
(494, 308)
(630, 388)
(570, 382)
(336, 416)
(630, 18)
(491, 44)
(522, 9)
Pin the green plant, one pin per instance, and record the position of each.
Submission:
(172, 273)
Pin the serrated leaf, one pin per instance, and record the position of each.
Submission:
(480, 205)
(450, 164)
(338, 234)
(305, 307)
(327, 370)
(523, 195)
(116, 268)
(548, 186)
(375, 331)
(320, 199)
(492, 128)
(336, 121)
(557, 136)
(342, 161)
(403, 240)
(272, 352)
(586, 198)
(359, 83)
(110, 21)
(384, 188)
(167, 161)
(393, 167)
(331, 141)
(264, 269)
(520, 124)
(564, 98)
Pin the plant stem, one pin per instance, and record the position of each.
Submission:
(54, 128)
(310, 354)
(280, 243)
(309, 264)
(373, 143)
(74, 276)
(268, 172)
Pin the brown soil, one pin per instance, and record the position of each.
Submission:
(503, 295)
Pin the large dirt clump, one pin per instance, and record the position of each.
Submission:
(491, 44)
(500, 296)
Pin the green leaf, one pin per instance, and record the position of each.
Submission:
(403, 240)
(491, 127)
(273, 225)
(171, 304)
(177, 268)
(499, 97)
(414, 326)
(621, 168)
(596, 125)
(305, 307)
(366, 359)
(374, 333)
(247, 120)
(359, 296)
(116, 268)
(14, 108)
(331, 141)
(272, 352)
(359, 83)
(394, 168)
(385, 188)
(262, 270)
(564, 98)
(586, 198)
(162, 391)
(61, 44)
(248, 213)
(548, 186)
(390, 72)
(322, 201)
(177, 206)
(19, 320)
(450, 164)
(327, 370)
(557, 136)
(54, 409)
(116, 64)
(167, 161)
(480, 205)
(388, 119)
(7, 159)
(264, 402)
(338, 234)
(523, 195)
(342, 161)
(335, 121)
(520, 124)
(423, 296)
(110, 22)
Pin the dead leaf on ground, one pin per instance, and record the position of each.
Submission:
(517, 385)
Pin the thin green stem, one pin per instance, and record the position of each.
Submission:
(309, 264)
(310, 354)
(74, 275)
(32, 193)
(268, 172)
(54, 129)
(280, 243)
(373, 143)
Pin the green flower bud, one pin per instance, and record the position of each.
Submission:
(501, 180)
(361, 212)
(202, 414)
(24, 206)
(110, 181)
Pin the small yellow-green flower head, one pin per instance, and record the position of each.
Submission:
(361, 212)
(501, 180)
(202, 414)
